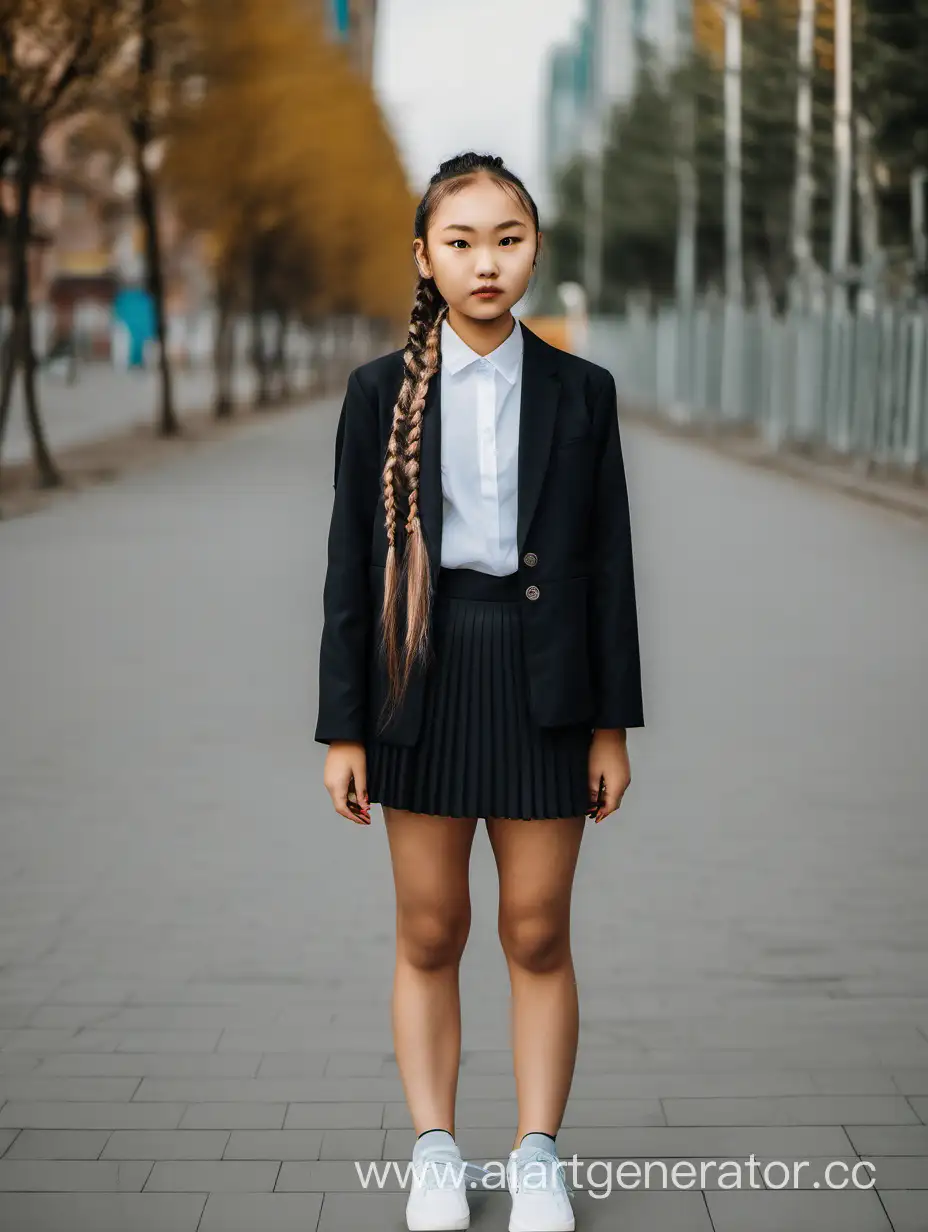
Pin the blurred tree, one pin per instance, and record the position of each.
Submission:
(162, 39)
(57, 57)
(891, 93)
(284, 157)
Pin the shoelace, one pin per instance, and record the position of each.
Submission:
(554, 1167)
(441, 1166)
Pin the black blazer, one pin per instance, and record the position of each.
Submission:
(579, 619)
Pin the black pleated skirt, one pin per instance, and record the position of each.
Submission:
(480, 753)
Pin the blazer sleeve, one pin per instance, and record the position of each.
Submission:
(347, 622)
(613, 612)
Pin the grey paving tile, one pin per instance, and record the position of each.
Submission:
(30, 1039)
(191, 1017)
(209, 1176)
(335, 1116)
(816, 1172)
(909, 1081)
(900, 1171)
(920, 1106)
(149, 1065)
(792, 1110)
(70, 1016)
(798, 1210)
(642, 1211)
(97, 1040)
(907, 1209)
(271, 1039)
(28, 1087)
(60, 1144)
(82, 990)
(6, 1138)
(228, 1115)
(19, 1062)
(289, 1064)
(849, 1082)
(19, 1014)
(69, 1175)
(337, 1176)
(656, 1085)
(612, 1112)
(166, 1144)
(268, 1090)
(889, 1139)
(352, 1144)
(355, 1064)
(382, 1211)
(274, 1144)
(101, 1212)
(274, 1212)
(48, 1114)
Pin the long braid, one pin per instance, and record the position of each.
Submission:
(420, 363)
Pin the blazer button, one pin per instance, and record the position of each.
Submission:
(530, 558)
(533, 592)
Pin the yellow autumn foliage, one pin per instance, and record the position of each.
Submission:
(283, 135)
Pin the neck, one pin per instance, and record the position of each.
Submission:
(481, 336)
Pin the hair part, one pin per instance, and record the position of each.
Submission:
(421, 361)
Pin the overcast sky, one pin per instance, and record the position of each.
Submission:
(468, 74)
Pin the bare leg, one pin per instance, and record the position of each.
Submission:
(431, 862)
(536, 862)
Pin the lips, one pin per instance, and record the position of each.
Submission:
(488, 292)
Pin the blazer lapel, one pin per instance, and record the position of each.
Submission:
(540, 391)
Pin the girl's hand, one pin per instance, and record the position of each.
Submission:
(608, 764)
(345, 778)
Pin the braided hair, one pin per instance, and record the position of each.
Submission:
(421, 361)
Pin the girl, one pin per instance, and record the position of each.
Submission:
(479, 659)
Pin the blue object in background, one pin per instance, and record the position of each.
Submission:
(340, 15)
(134, 308)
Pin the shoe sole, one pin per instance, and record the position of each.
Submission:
(516, 1225)
(424, 1225)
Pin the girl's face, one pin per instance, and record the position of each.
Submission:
(480, 236)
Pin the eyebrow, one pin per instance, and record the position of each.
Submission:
(503, 226)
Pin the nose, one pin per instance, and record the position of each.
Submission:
(487, 263)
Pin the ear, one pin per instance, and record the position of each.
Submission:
(421, 257)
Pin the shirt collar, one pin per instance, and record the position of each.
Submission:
(456, 354)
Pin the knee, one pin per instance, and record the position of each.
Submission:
(534, 941)
(431, 940)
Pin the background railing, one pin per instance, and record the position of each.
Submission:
(853, 383)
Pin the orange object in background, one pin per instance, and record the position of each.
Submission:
(551, 329)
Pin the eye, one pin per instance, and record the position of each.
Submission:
(515, 239)
(453, 242)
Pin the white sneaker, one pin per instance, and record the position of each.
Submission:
(437, 1192)
(540, 1202)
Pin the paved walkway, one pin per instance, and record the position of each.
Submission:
(105, 400)
(196, 953)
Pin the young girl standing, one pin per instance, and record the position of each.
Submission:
(479, 659)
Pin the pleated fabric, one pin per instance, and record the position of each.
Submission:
(480, 753)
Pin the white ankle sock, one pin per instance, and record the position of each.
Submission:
(532, 1141)
(433, 1137)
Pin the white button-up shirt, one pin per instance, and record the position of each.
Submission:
(480, 407)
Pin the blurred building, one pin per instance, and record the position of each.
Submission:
(87, 243)
(598, 69)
